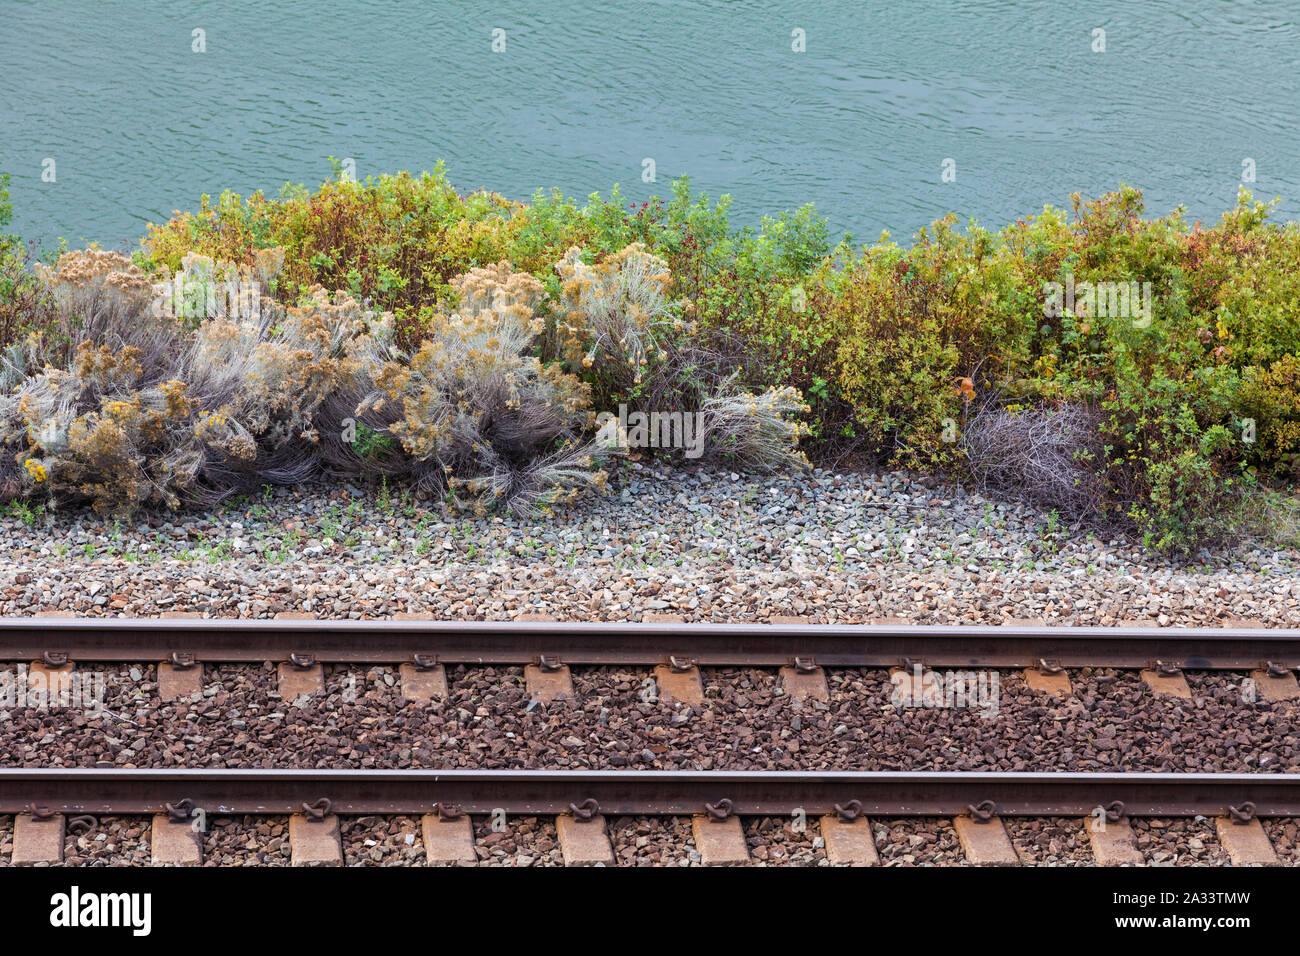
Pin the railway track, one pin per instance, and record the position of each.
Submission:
(841, 806)
(648, 792)
(677, 650)
(843, 803)
(753, 645)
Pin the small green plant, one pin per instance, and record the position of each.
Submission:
(24, 512)
(370, 443)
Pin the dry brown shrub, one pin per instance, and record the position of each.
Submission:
(1044, 456)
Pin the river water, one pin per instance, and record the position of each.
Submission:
(579, 95)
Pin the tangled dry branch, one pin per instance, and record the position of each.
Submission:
(1040, 455)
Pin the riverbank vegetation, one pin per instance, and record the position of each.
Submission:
(1140, 374)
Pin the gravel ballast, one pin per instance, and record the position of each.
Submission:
(706, 545)
(645, 841)
(1113, 723)
(1050, 841)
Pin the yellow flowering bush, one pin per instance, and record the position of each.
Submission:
(614, 316)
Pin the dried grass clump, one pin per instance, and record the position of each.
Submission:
(24, 356)
(615, 316)
(84, 276)
(471, 413)
(185, 390)
(268, 264)
(754, 432)
(95, 296)
(150, 412)
(1045, 456)
(266, 380)
(203, 289)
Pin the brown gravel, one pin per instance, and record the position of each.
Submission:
(774, 841)
(655, 841)
(1050, 841)
(110, 841)
(1114, 723)
(247, 841)
(652, 841)
(525, 841)
(1178, 842)
(1285, 837)
(381, 841)
(920, 841)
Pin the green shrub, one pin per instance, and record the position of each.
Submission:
(890, 367)
(395, 242)
(617, 329)
(25, 309)
(1269, 400)
(1174, 479)
(911, 332)
(6, 215)
(28, 322)
(750, 296)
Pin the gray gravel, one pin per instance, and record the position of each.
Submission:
(709, 545)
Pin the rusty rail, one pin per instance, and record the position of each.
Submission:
(100, 791)
(758, 645)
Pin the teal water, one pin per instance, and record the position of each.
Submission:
(139, 125)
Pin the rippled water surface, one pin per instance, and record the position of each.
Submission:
(138, 124)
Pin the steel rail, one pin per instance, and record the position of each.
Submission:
(757, 645)
(103, 791)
